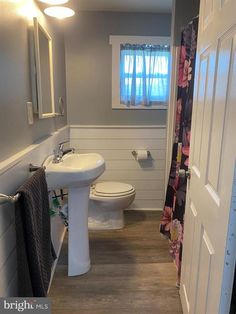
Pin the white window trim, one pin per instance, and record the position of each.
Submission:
(116, 41)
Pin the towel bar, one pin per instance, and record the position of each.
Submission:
(33, 168)
(8, 198)
(12, 199)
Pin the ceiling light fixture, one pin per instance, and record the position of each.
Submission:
(54, 2)
(59, 12)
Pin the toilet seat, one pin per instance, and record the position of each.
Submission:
(112, 189)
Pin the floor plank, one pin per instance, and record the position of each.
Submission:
(131, 272)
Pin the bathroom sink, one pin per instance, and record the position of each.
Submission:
(74, 170)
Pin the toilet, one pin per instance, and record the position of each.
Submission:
(106, 204)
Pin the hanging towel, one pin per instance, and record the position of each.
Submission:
(35, 253)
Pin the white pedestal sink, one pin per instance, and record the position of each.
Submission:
(76, 172)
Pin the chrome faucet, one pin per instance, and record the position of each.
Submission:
(59, 152)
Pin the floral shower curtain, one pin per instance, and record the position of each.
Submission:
(172, 222)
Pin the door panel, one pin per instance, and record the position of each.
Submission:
(200, 111)
(219, 109)
(212, 161)
(191, 267)
(190, 229)
(206, 254)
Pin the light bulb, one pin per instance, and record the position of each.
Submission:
(54, 2)
(59, 12)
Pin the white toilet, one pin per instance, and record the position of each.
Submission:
(106, 205)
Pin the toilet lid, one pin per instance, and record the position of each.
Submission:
(112, 189)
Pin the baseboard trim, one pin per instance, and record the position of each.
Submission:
(79, 126)
(145, 209)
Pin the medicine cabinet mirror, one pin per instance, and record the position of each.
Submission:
(42, 72)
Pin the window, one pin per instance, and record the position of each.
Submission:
(140, 72)
(143, 74)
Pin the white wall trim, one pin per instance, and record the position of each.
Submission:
(16, 158)
(79, 126)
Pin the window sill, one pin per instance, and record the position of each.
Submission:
(153, 107)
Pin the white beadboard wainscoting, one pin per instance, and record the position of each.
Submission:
(115, 144)
(13, 172)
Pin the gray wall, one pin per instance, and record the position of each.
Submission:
(88, 65)
(15, 89)
(185, 10)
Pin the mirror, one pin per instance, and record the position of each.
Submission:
(42, 72)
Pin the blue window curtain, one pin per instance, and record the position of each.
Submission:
(144, 74)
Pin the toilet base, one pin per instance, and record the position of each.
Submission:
(104, 219)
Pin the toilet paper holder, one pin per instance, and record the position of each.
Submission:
(134, 153)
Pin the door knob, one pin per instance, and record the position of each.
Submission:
(184, 173)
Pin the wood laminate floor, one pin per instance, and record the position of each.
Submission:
(131, 272)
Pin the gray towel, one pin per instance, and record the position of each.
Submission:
(35, 254)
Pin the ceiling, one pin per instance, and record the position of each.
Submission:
(154, 6)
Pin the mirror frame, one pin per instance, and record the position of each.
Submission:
(37, 91)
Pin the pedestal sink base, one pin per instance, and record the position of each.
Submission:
(77, 172)
(78, 246)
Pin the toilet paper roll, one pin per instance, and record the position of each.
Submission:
(141, 154)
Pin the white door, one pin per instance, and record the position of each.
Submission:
(209, 250)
